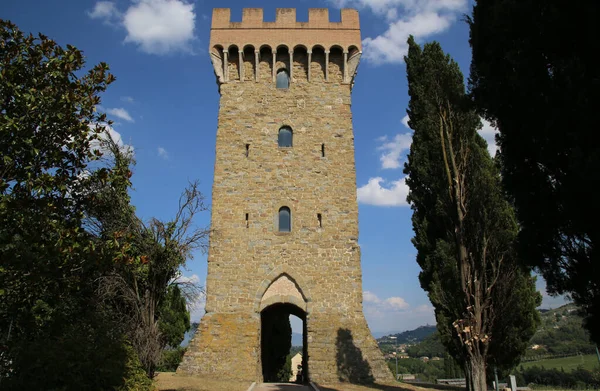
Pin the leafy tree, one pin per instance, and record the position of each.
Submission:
(174, 317)
(423, 371)
(452, 369)
(170, 359)
(83, 282)
(561, 332)
(142, 287)
(540, 87)
(51, 322)
(464, 228)
(431, 346)
(577, 379)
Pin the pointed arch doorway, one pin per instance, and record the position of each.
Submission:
(280, 302)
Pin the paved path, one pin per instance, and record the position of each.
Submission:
(281, 387)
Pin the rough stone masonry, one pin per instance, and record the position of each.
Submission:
(314, 269)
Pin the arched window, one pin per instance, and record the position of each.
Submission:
(285, 219)
(283, 79)
(285, 137)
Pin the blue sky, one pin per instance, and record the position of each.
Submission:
(165, 102)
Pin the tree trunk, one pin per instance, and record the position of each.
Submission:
(477, 369)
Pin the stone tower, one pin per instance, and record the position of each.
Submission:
(284, 210)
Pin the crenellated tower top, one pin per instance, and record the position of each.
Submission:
(284, 35)
(285, 18)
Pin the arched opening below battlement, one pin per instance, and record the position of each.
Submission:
(300, 71)
(233, 62)
(282, 59)
(217, 50)
(249, 62)
(265, 63)
(317, 64)
(216, 56)
(352, 63)
(284, 350)
(336, 64)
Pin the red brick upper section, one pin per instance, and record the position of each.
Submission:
(285, 31)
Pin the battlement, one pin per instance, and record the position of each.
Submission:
(252, 18)
(286, 31)
(254, 41)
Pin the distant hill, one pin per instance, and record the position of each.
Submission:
(409, 336)
(561, 332)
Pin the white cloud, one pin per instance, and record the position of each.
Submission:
(163, 153)
(420, 18)
(391, 46)
(160, 26)
(488, 132)
(120, 113)
(391, 303)
(373, 193)
(391, 14)
(370, 297)
(193, 279)
(114, 135)
(405, 121)
(105, 10)
(396, 303)
(394, 313)
(127, 99)
(394, 150)
(424, 309)
(156, 26)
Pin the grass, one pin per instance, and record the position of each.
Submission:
(169, 381)
(588, 361)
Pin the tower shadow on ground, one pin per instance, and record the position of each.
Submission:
(351, 365)
(353, 368)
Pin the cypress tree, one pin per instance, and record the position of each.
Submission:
(464, 228)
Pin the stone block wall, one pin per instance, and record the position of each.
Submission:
(315, 178)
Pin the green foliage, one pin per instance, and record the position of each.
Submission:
(561, 332)
(84, 347)
(540, 88)
(431, 346)
(135, 375)
(464, 228)
(452, 369)
(170, 359)
(423, 371)
(174, 318)
(49, 136)
(585, 361)
(409, 336)
(577, 379)
(142, 288)
(285, 373)
(82, 278)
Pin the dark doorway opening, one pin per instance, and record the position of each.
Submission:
(276, 344)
